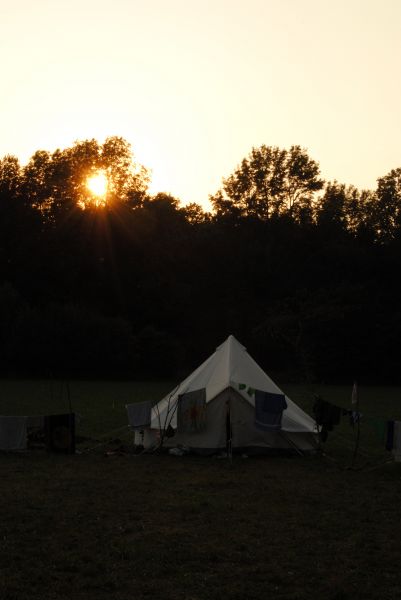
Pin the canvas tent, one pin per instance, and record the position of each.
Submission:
(227, 380)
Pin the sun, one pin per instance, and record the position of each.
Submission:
(97, 185)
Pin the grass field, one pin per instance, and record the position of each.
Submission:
(124, 526)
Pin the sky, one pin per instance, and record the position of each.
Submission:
(193, 85)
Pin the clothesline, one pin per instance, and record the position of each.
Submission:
(56, 432)
(329, 415)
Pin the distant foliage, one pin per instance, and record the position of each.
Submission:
(303, 272)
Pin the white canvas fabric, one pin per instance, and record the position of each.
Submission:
(229, 376)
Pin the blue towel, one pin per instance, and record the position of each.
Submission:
(269, 410)
(191, 413)
(390, 436)
(139, 414)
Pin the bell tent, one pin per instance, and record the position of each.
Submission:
(229, 403)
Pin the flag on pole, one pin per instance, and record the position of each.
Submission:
(354, 395)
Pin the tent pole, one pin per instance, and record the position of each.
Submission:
(358, 430)
(229, 433)
(230, 441)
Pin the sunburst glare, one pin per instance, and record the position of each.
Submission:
(97, 184)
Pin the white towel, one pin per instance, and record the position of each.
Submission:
(13, 433)
(36, 421)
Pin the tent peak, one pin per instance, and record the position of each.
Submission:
(230, 342)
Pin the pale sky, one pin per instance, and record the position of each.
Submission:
(193, 85)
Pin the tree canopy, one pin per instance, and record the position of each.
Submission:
(303, 272)
(270, 181)
(57, 182)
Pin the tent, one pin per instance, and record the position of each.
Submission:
(229, 381)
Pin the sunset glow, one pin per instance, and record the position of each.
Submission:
(319, 74)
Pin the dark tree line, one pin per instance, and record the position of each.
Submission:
(304, 272)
